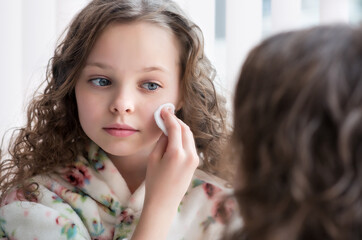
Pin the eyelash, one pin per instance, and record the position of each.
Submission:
(98, 79)
(106, 82)
(149, 83)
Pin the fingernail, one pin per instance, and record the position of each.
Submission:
(170, 110)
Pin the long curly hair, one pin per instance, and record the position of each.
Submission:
(53, 136)
(298, 136)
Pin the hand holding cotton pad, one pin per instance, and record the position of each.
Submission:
(158, 118)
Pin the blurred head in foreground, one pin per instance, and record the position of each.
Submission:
(298, 136)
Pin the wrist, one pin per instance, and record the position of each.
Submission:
(152, 218)
(164, 209)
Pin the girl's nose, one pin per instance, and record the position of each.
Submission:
(122, 103)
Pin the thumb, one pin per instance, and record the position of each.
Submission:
(159, 149)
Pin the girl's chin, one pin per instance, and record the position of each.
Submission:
(119, 153)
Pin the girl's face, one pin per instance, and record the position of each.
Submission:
(131, 70)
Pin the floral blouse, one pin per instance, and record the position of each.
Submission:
(91, 200)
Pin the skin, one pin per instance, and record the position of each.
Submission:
(171, 167)
(131, 70)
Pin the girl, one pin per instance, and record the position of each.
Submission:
(298, 136)
(91, 162)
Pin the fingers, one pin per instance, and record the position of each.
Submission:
(188, 141)
(180, 137)
(160, 148)
(172, 164)
(174, 130)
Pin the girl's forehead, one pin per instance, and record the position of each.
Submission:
(152, 26)
(147, 41)
(136, 46)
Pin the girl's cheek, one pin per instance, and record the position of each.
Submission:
(152, 122)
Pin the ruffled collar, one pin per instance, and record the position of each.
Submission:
(95, 176)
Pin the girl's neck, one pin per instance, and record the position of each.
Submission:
(132, 168)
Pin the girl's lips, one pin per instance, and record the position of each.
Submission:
(120, 126)
(120, 132)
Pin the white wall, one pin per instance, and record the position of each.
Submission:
(11, 94)
(30, 30)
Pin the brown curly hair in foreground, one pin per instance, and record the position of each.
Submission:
(53, 136)
(298, 136)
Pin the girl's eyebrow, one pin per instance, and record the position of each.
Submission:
(146, 69)
(98, 64)
(154, 68)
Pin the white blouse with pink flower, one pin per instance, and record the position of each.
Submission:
(91, 200)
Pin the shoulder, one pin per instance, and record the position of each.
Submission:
(208, 195)
(206, 208)
(44, 215)
(211, 185)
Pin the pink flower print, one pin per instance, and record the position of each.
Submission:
(98, 229)
(77, 175)
(11, 238)
(11, 197)
(197, 182)
(68, 228)
(125, 218)
(48, 214)
(223, 210)
(20, 195)
(109, 205)
(206, 224)
(2, 233)
(97, 162)
(210, 190)
(26, 213)
(58, 189)
(57, 199)
(98, 165)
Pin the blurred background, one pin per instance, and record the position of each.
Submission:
(30, 30)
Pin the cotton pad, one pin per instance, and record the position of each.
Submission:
(158, 118)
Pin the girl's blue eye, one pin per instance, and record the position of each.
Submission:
(101, 82)
(151, 86)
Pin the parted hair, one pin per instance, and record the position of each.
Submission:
(53, 136)
(298, 136)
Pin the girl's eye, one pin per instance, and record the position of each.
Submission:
(101, 82)
(151, 86)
